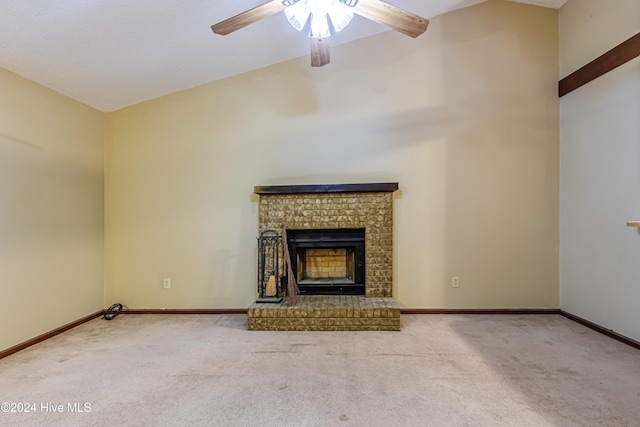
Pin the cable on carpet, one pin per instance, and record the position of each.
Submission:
(112, 311)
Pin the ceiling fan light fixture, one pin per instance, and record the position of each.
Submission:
(319, 12)
(319, 28)
(298, 14)
(340, 15)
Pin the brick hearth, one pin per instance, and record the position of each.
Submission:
(326, 313)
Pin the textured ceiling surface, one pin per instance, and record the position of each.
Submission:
(113, 53)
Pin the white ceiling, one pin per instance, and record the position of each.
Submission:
(112, 53)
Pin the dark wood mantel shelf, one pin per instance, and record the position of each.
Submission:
(381, 187)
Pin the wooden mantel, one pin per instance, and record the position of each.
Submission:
(379, 187)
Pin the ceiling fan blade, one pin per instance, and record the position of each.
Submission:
(320, 52)
(248, 17)
(391, 16)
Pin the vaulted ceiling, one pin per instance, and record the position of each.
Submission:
(112, 53)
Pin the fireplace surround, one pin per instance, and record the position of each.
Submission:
(305, 209)
(340, 237)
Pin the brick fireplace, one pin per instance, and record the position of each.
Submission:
(348, 206)
(340, 237)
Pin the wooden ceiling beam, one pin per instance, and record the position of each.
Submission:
(624, 52)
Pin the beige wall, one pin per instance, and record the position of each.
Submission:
(465, 118)
(51, 210)
(600, 174)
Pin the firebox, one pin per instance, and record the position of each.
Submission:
(328, 261)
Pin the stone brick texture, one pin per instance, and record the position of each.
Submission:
(371, 211)
(326, 313)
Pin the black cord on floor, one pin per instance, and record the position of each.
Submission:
(112, 311)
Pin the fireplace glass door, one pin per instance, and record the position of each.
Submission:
(328, 261)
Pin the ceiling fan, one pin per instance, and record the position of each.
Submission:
(324, 14)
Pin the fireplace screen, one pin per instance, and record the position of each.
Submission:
(328, 261)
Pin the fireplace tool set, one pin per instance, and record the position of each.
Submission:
(269, 268)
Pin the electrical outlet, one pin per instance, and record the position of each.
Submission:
(166, 283)
(455, 282)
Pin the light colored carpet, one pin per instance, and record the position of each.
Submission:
(440, 370)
